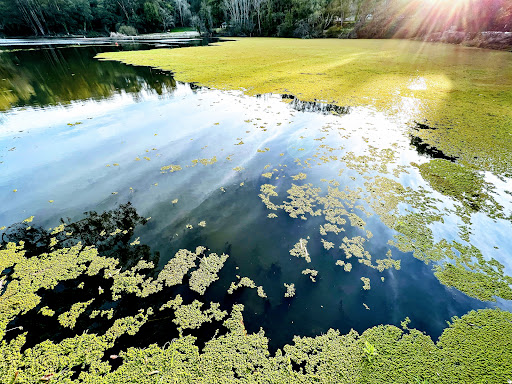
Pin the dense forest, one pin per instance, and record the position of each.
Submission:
(287, 18)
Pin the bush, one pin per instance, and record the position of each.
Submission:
(333, 31)
(127, 30)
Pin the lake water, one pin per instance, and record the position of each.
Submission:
(78, 135)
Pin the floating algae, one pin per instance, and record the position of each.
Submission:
(346, 266)
(209, 267)
(302, 201)
(366, 283)
(171, 168)
(191, 317)
(300, 250)
(387, 263)
(312, 274)
(249, 283)
(354, 247)
(268, 190)
(68, 319)
(46, 311)
(244, 282)
(327, 244)
(475, 276)
(290, 290)
(299, 176)
(461, 352)
(462, 184)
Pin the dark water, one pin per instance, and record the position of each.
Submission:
(92, 136)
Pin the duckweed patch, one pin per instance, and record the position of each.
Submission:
(209, 267)
(290, 290)
(473, 346)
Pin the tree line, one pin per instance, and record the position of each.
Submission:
(286, 18)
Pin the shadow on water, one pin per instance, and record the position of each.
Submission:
(425, 149)
(428, 150)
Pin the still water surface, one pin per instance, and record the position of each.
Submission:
(78, 134)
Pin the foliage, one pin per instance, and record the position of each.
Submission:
(286, 18)
(127, 30)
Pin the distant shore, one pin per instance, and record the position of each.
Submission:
(488, 39)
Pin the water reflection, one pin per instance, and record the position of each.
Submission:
(315, 106)
(60, 76)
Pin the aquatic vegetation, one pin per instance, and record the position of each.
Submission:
(462, 184)
(204, 161)
(370, 351)
(387, 263)
(366, 283)
(35, 274)
(261, 292)
(290, 290)
(381, 354)
(271, 215)
(327, 244)
(299, 176)
(46, 311)
(328, 227)
(249, 283)
(207, 273)
(312, 274)
(346, 266)
(68, 319)
(202, 224)
(244, 282)
(176, 268)
(300, 250)
(475, 276)
(268, 190)
(354, 247)
(171, 168)
(192, 317)
(302, 201)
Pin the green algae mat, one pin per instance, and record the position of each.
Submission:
(322, 211)
(463, 95)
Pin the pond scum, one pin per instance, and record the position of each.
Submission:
(475, 348)
(384, 353)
